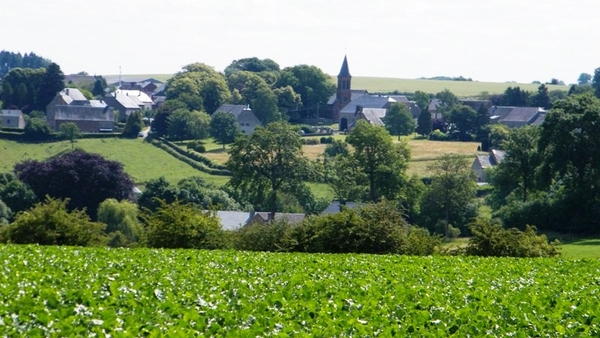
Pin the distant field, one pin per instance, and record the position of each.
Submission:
(141, 160)
(384, 84)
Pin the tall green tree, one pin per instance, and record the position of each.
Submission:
(224, 127)
(383, 162)
(451, 191)
(447, 101)
(422, 99)
(199, 86)
(584, 78)
(314, 86)
(121, 217)
(463, 121)
(424, 125)
(52, 83)
(542, 98)
(133, 125)
(69, 131)
(596, 82)
(398, 120)
(266, 163)
(264, 106)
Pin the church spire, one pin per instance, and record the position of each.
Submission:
(345, 71)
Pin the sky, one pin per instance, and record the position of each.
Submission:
(486, 40)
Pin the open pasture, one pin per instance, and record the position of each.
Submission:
(68, 291)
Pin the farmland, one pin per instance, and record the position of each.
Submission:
(59, 291)
(387, 85)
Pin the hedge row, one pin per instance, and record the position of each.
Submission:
(193, 163)
(195, 156)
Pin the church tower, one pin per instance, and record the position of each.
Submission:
(344, 92)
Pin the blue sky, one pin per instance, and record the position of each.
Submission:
(491, 40)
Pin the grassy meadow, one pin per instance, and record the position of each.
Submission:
(141, 160)
(386, 85)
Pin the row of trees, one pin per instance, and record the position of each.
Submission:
(551, 174)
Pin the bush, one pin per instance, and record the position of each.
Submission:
(308, 130)
(437, 135)
(310, 141)
(326, 140)
(50, 223)
(376, 228)
(179, 225)
(492, 240)
(120, 217)
(197, 146)
(270, 236)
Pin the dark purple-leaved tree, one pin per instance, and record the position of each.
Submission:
(86, 179)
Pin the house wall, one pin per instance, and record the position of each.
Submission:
(478, 170)
(12, 122)
(88, 126)
(248, 121)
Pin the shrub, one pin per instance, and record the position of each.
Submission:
(270, 236)
(438, 135)
(179, 225)
(326, 140)
(50, 223)
(197, 146)
(121, 217)
(310, 141)
(375, 228)
(492, 240)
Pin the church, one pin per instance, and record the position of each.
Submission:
(348, 105)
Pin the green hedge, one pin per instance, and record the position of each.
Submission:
(192, 162)
(195, 156)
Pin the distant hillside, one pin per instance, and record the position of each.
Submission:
(386, 85)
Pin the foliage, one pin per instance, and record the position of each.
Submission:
(16, 195)
(50, 223)
(268, 236)
(177, 293)
(252, 64)
(5, 216)
(492, 240)
(311, 83)
(86, 179)
(10, 60)
(197, 145)
(450, 193)
(497, 134)
(288, 102)
(447, 101)
(374, 228)
(345, 177)
(178, 225)
(224, 127)
(422, 99)
(516, 97)
(133, 125)
(383, 162)
(52, 82)
(398, 120)
(121, 217)
(69, 131)
(199, 87)
(596, 82)
(424, 125)
(157, 190)
(36, 130)
(541, 98)
(336, 147)
(570, 154)
(188, 125)
(268, 162)
(264, 106)
(463, 121)
(20, 87)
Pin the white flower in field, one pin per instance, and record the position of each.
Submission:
(97, 321)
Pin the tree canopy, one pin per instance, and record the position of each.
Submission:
(224, 127)
(266, 163)
(398, 120)
(85, 179)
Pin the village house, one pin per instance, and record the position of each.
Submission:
(234, 220)
(70, 105)
(246, 119)
(483, 162)
(12, 118)
(515, 117)
(123, 104)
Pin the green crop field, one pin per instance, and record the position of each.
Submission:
(68, 291)
(388, 85)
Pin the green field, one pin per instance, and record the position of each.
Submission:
(67, 291)
(388, 85)
(141, 160)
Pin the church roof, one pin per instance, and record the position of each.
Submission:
(345, 71)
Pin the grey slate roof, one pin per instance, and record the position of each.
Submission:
(234, 109)
(367, 101)
(97, 103)
(484, 161)
(345, 71)
(335, 207)
(374, 115)
(522, 114)
(122, 100)
(354, 94)
(497, 155)
(233, 220)
(289, 217)
(74, 94)
(433, 104)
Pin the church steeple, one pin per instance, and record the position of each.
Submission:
(345, 72)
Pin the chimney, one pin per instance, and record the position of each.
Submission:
(67, 91)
